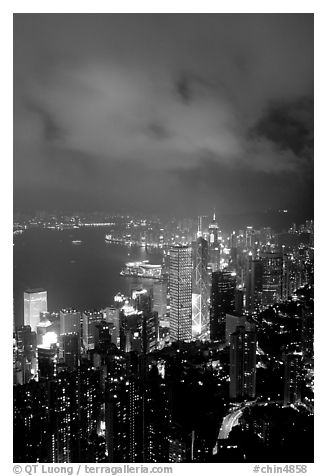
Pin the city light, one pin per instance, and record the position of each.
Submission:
(50, 338)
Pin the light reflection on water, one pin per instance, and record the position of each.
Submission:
(84, 276)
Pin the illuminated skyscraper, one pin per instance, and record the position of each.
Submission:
(180, 286)
(157, 418)
(292, 378)
(70, 321)
(26, 353)
(272, 278)
(234, 251)
(232, 322)
(307, 334)
(160, 298)
(35, 301)
(48, 357)
(111, 315)
(71, 349)
(222, 302)
(249, 237)
(31, 423)
(124, 419)
(200, 288)
(90, 329)
(63, 408)
(253, 283)
(243, 344)
(150, 331)
(214, 245)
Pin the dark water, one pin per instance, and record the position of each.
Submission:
(82, 276)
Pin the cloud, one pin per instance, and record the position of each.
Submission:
(161, 93)
(289, 126)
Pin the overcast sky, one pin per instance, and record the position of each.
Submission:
(163, 113)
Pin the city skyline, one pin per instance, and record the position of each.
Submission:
(137, 368)
(194, 110)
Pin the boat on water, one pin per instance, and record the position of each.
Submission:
(77, 242)
(142, 269)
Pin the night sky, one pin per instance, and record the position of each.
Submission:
(167, 114)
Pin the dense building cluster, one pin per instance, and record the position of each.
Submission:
(210, 361)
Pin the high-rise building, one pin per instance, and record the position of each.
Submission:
(30, 423)
(35, 301)
(180, 288)
(292, 378)
(26, 364)
(70, 321)
(214, 245)
(156, 418)
(48, 357)
(150, 331)
(307, 334)
(160, 298)
(249, 237)
(111, 315)
(200, 288)
(63, 409)
(253, 296)
(232, 322)
(239, 300)
(233, 250)
(222, 302)
(90, 329)
(42, 328)
(124, 419)
(74, 415)
(243, 363)
(272, 278)
(71, 349)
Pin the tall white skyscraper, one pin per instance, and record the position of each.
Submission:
(180, 288)
(35, 301)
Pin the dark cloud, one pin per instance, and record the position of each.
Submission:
(51, 129)
(158, 131)
(175, 111)
(290, 126)
(183, 87)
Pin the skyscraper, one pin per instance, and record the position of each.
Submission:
(243, 362)
(25, 366)
(35, 301)
(48, 357)
(292, 378)
(71, 349)
(111, 315)
(232, 322)
(272, 278)
(214, 246)
(124, 419)
(307, 334)
(222, 302)
(253, 283)
(90, 330)
(180, 286)
(160, 298)
(200, 287)
(70, 321)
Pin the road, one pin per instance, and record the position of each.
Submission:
(232, 418)
(228, 423)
